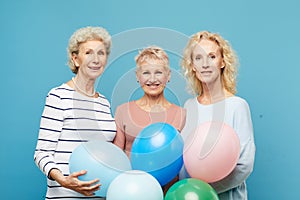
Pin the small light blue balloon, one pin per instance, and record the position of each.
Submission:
(102, 160)
(135, 185)
(158, 150)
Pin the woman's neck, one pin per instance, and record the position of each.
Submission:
(153, 103)
(213, 93)
(84, 86)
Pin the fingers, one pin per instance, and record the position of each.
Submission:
(89, 189)
(80, 173)
(84, 183)
(89, 183)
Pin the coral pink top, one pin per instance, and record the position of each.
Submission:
(131, 119)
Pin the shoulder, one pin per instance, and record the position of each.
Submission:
(238, 104)
(60, 91)
(101, 96)
(190, 102)
(123, 107)
(178, 110)
(237, 101)
(102, 99)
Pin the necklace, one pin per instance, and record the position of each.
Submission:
(82, 91)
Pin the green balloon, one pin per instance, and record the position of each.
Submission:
(191, 189)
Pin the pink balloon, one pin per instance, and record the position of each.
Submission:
(211, 152)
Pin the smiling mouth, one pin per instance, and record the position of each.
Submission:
(206, 73)
(94, 68)
(152, 86)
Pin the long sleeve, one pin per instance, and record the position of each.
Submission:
(243, 126)
(50, 129)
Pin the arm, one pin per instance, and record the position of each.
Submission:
(182, 118)
(50, 129)
(243, 127)
(119, 139)
(72, 182)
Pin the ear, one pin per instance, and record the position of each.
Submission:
(194, 69)
(223, 64)
(74, 59)
(137, 76)
(169, 75)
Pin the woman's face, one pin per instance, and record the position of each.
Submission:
(207, 61)
(153, 76)
(91, 59)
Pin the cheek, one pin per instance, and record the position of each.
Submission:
(163, 79)
(195, 68)
(142, 79)
(88, 58)
(82, 60)
(104, 59)
(197, 62)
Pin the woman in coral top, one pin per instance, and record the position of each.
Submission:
(152, 73)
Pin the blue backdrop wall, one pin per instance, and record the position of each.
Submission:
(265, 34)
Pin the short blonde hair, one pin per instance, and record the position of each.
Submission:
(83, 35)
(152, 53)
(228, 73)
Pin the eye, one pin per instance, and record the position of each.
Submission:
(197, 57)
(146, 73)
(212, 56)
(88, 52)
(158, 72)
(101, 53)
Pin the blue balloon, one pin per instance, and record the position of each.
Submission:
(158, 150)
(102, 160)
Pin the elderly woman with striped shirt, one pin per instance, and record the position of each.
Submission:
(75, 113)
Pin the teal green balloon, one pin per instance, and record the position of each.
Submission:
(191, 189)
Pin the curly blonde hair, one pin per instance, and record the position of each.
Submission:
(83, 35)
(152, 53)
(228, 73)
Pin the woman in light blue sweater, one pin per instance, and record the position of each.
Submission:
(210, 66)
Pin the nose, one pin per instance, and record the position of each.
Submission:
(205, 64)
(152, 78)
(96, 59)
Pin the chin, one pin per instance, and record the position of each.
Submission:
(153, 94)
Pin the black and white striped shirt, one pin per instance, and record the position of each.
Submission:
(69, 119)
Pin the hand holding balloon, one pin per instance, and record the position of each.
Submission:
(87, 188)
(101, 160)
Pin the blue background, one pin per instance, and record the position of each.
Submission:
(265, 34)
